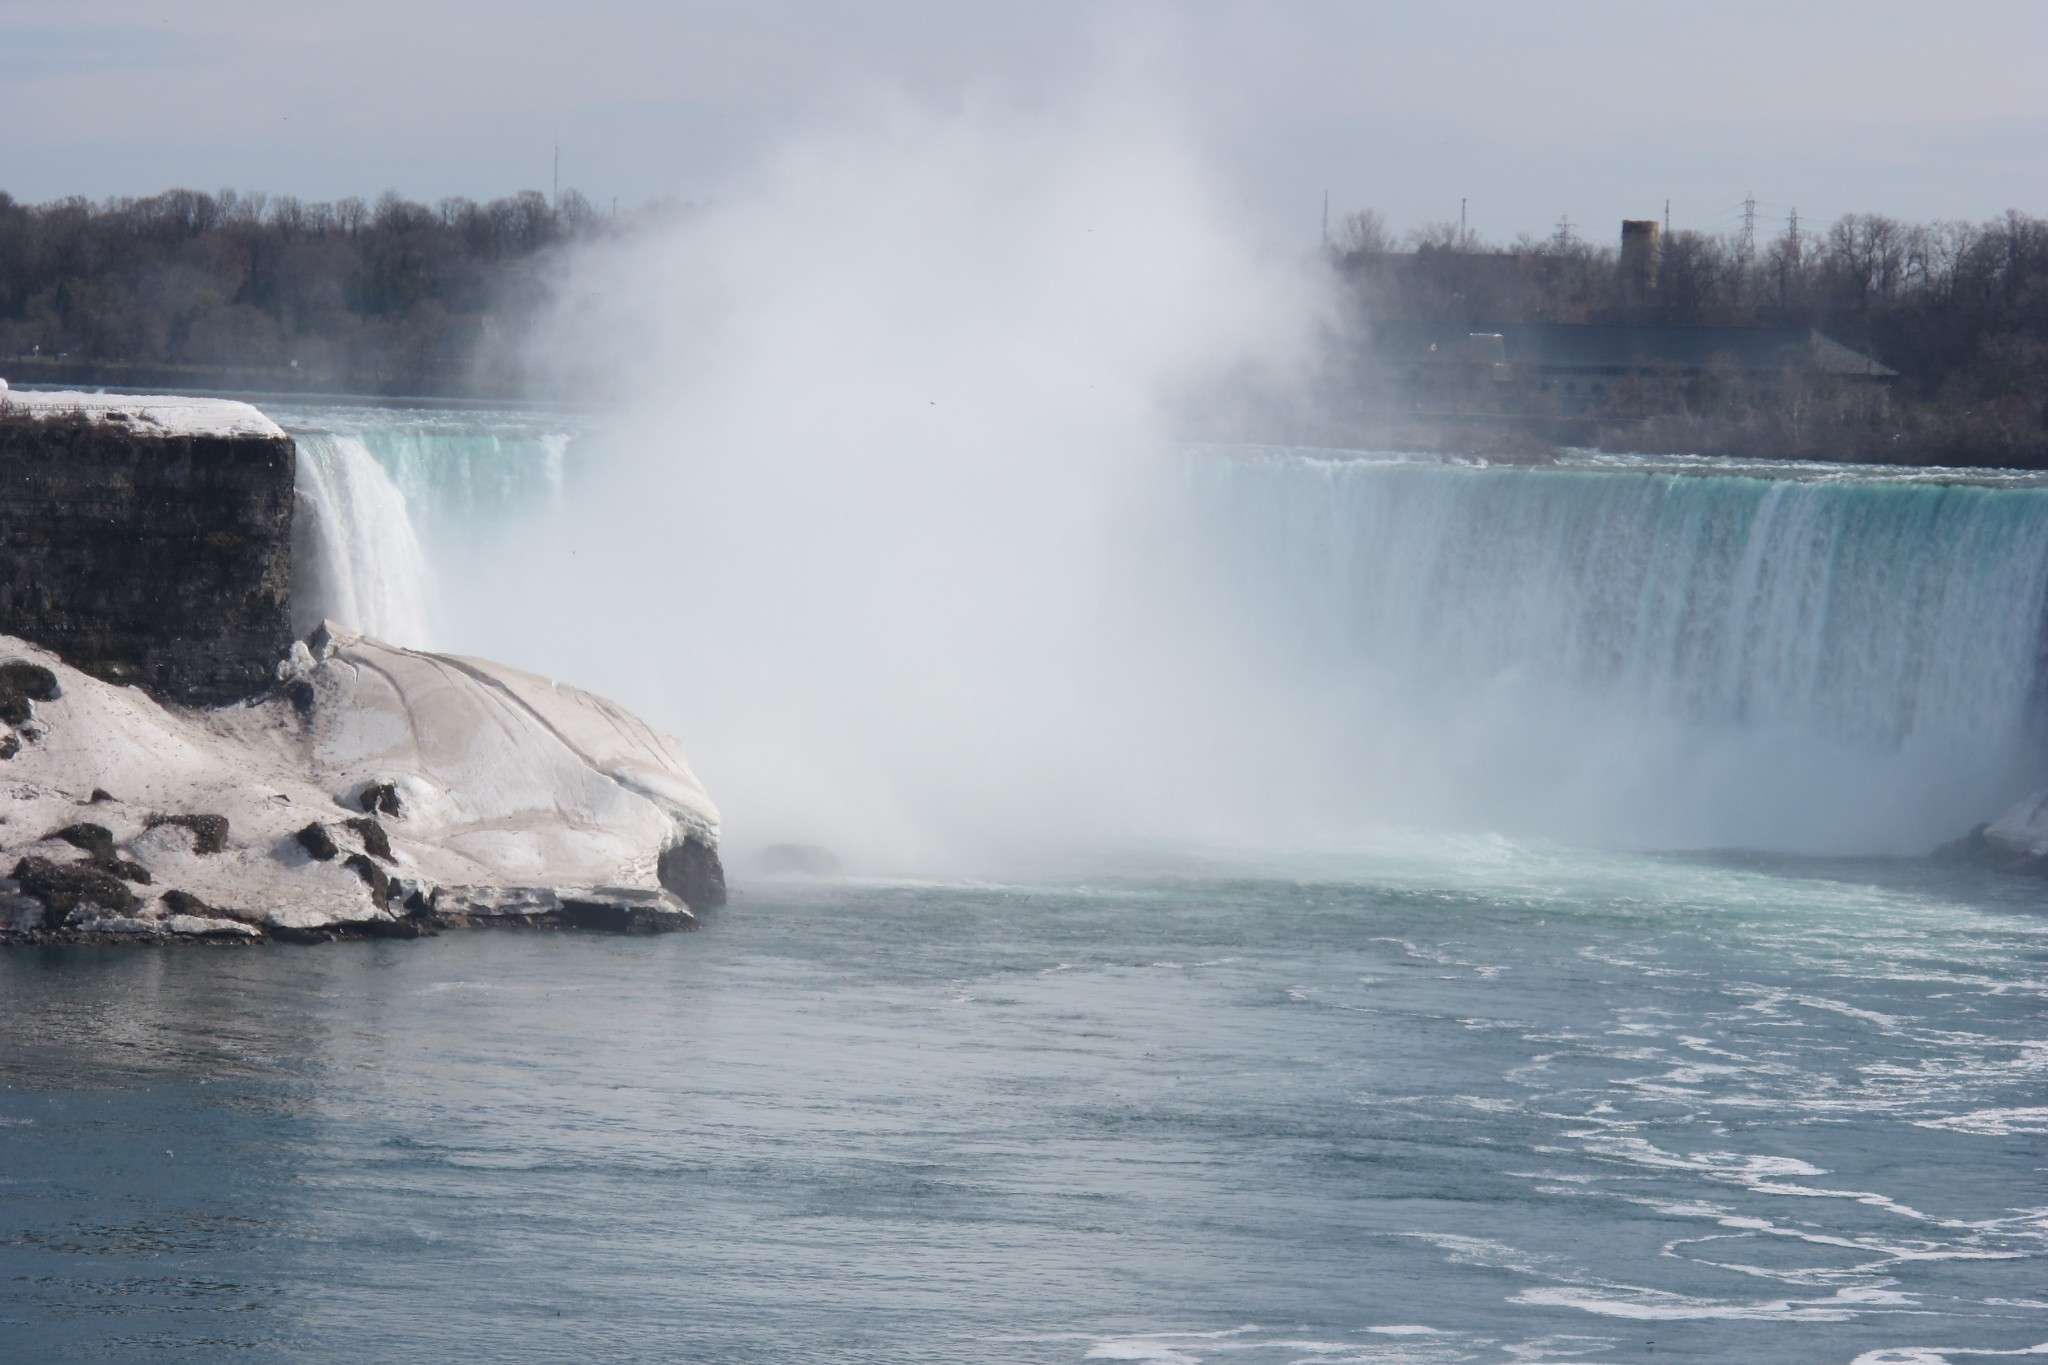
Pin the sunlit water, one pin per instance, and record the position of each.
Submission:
(1430, 1101)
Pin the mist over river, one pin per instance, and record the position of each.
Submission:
(1400, 999)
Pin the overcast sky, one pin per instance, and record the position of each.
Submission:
(1530, 111)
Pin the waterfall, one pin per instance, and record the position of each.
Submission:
(1675, 654)
(1680, 655)
(355, 556)
(375, 483)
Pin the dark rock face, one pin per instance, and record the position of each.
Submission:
(185, 903)
(209, 832)
(692, 873)
(163, 561)
(62, 889)
(20, 678)
(619, 911)
(1978, 851)
(96, 840)
(22, 685)
(382, 797)
(373, 877)
(98, 845)
(376, 842)
(318, 840)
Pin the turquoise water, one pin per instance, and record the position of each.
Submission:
(1431, 1100)
(1656, 653)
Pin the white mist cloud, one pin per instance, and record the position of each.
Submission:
(882, 424)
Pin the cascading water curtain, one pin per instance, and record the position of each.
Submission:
(1844, 663)
(355, 557)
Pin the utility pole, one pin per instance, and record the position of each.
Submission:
(1788, 259)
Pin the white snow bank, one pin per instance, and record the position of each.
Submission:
(516, 794)
(149, 414)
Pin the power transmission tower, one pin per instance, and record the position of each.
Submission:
(557, 200)
(1461, 224)
(1748, 251)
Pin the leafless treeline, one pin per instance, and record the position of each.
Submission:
(1959, 309)
(256, 291)
(1942, 303)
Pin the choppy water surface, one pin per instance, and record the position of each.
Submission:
(1439, 1101)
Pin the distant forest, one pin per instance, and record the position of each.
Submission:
(252, 292)
(1959, 309)
(246, 291)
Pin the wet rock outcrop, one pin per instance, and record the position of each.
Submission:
(2016, 841)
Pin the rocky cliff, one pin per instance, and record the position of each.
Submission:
(148, 540)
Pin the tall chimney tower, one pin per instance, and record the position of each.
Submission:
(1638, 260)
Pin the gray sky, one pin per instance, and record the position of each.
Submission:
(1599, 110)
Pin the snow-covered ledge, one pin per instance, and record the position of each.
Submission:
(147, 414)
(379, 791)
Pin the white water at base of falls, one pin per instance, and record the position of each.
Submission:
(356, 557)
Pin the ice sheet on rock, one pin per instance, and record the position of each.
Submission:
(507, 781)
(198, 926)
(150, 414)
(529, 780)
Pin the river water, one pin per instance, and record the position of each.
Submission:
(1524, 1088)
(1430, 1100)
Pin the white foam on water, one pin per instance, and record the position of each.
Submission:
(2032, 1122)
(1657, 1305)
(1939, 1355)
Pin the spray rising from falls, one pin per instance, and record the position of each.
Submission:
(887, 518)
(1684, 655)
